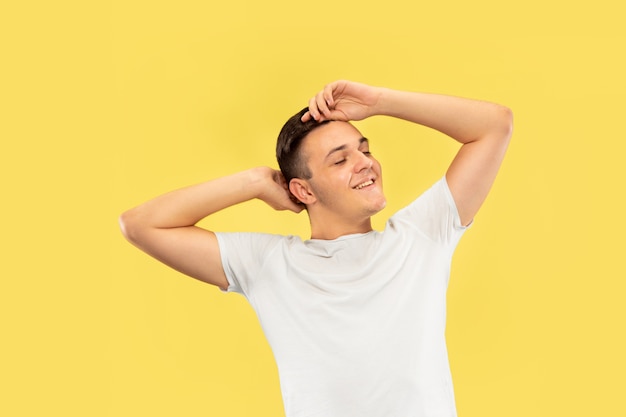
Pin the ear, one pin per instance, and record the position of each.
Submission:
(301, 190)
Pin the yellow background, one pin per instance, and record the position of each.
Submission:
(107, 104)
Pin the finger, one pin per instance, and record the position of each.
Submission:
(296, 210)
(322, 105)
(290, 203)
(338, 115)
(306, 117)
(328, 95)
(313, 110)
(295, 207)
(280, 179)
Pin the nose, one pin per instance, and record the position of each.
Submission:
(364, 162)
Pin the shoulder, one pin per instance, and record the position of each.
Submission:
(251, 240)
(245, 255)
(436, 197)
(433, 214)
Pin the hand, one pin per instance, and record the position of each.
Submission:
(275, 192)
(345, 101)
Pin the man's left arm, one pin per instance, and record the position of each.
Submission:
(484, 130)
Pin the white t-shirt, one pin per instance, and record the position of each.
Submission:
(356, 324)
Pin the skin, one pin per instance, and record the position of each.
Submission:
(339, 197)
(165, 227)
(484, 129)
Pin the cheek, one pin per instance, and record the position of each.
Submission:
(338, 178)
(343, 177)
(332, 180)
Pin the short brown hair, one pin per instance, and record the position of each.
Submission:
(288, 146)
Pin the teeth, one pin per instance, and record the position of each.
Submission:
(365, 184)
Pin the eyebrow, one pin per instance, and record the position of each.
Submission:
(343, 147)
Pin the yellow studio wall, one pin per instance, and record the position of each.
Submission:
(105, 105)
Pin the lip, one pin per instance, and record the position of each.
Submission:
(364, 181)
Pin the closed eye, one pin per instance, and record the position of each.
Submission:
(340, 162)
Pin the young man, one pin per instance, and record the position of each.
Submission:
(355, 317)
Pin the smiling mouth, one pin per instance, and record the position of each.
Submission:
(363, 184)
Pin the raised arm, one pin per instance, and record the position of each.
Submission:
(483, 128)
(165, 226)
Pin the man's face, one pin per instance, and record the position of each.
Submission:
(346, 178)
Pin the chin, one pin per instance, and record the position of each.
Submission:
(379, 206)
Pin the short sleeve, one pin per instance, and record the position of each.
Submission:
(243, 256)
(434, 214)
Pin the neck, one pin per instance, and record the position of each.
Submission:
(329, 229)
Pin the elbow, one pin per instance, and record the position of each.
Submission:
(505, 123)
(130, 225)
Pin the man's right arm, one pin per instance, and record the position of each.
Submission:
(165, 227)
(484, 130)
